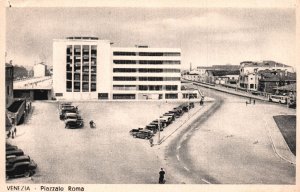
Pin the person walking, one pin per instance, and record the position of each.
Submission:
(161, 176)
(151, 142)
(253, 101)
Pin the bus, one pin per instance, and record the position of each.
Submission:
(278, 99)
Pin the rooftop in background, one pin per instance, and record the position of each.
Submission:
(223, 72)
(263, 64)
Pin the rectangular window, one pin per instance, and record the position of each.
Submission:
(123, 96)
(102, 95)
(76, 86)
(119, 53)
(124, 62)
(124, 78)
(58, 94)
(251, 86)
(171, 96)
(171, 87)
(124, 87)
(69, 86)
(93, 87)
(124, 70)
(85, 87)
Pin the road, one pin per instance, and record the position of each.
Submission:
(229, 144)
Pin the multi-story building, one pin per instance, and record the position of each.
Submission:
(89, 68)
(248, 72)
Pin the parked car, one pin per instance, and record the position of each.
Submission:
(161, 123)
(18, 159)
(74, 123)
(176, 113)
(24, 168)
(72, 116)
(172, 115)
(64, 111)
(143, 134)
(11, 148)
(17, 152)
(185, 107)
(152, 127)
(167, 119)
(133, 131)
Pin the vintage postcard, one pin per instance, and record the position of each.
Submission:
(174, 95)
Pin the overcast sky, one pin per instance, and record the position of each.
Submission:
(205, 36)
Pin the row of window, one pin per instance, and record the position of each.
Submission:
(146, 87)
(146, 78)
(145, 70)
(146, 62)
(77, 87)
(121, 53)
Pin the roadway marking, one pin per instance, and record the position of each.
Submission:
(206, 181)
(186, 168)
(178, 157)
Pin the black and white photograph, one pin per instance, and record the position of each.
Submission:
(169, 94)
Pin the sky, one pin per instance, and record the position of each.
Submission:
(206, 36)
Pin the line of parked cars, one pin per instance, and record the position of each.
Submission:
(162, 122)
(70, 115)
(17, 163)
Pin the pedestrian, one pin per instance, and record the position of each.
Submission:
(246, 103)
(15, 130)
(253, 101)
(151, 142)
(161, 176)
(12, 135)
(92, 124)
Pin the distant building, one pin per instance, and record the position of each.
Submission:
(221, 76)
(248, 72)
(269, 80)
(39, 70)
(203, 69)
(192, 76)
(9, 76)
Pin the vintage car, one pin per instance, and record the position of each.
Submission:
(167, 119)
(72, 116)
(11, 148)
(133, 131)
(21, 168)
(159, 123)
(143, 134)
(73, 123)
(172, 115)
(17, 152)
(68, 110)
(153, 128)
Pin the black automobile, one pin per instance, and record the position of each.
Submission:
(191, 105)
(16, 152)
(176, 113)
(185, 107)
(143, 134)
(172, 115)
(133, 131)
(74, 123)
(23, 168)
(152, 127)
(160, 124)
(11, 148)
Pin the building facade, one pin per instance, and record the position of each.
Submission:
(249, 72)
(9, 77)
(89, 68)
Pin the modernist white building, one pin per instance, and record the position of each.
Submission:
(89, 68)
